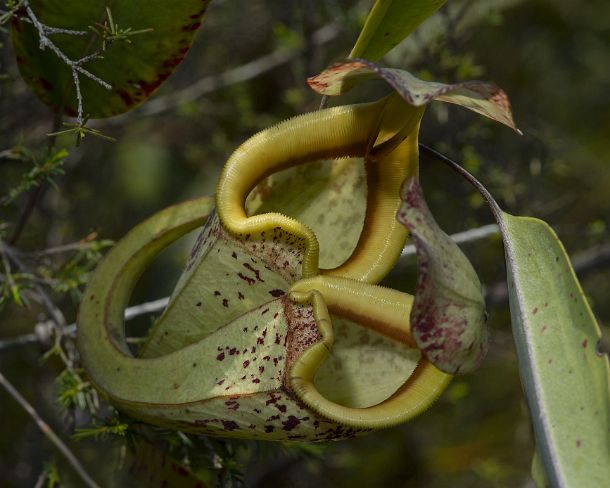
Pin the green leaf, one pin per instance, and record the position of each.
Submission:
(565, 380)
(448, 315)
(134, 60)
(481, 97)
(389, 22)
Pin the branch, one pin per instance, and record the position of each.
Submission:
(75, 65)
(49, 433)
(470, 235)
(81, 245)
(434, 29)
(45, 300)
(41, 332)
(27, 212)
(583, 263)
(233, 76)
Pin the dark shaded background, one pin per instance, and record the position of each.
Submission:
(247, 70)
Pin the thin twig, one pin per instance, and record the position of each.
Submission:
(493, 205)
(232, 76)
(70, 330)
(22, 340)
(469, 235)
(74, 65)
(49, 433)
(147, 307)
(27, 212)
(583, 263)
(79, 97)
(41, 479)
(323, 102)
(62, 249)
(7, 269)
(40, 189)
(45, 300)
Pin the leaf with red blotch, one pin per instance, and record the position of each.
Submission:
(448, 315)
(481, 97)
(159, 34)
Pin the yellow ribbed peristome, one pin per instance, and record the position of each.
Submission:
(382, 309)
(356, 130)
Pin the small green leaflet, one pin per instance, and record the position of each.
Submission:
(556, 335)
(448, 315)
(481, 97)
(140, 42)
(388, 23)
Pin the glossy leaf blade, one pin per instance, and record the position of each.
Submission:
(388, 23)
(134, 68)
(448, 314)
(565, 380)
(481, 97)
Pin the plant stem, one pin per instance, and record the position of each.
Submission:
(493, 205)
(27, 212)
(49, 433)
(469, 235)
(70, 330)
(37, 194)
(53, 311)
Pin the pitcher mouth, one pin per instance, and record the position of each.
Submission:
(167, 388)
(384, 133)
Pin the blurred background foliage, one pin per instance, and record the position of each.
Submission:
(246, 71)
